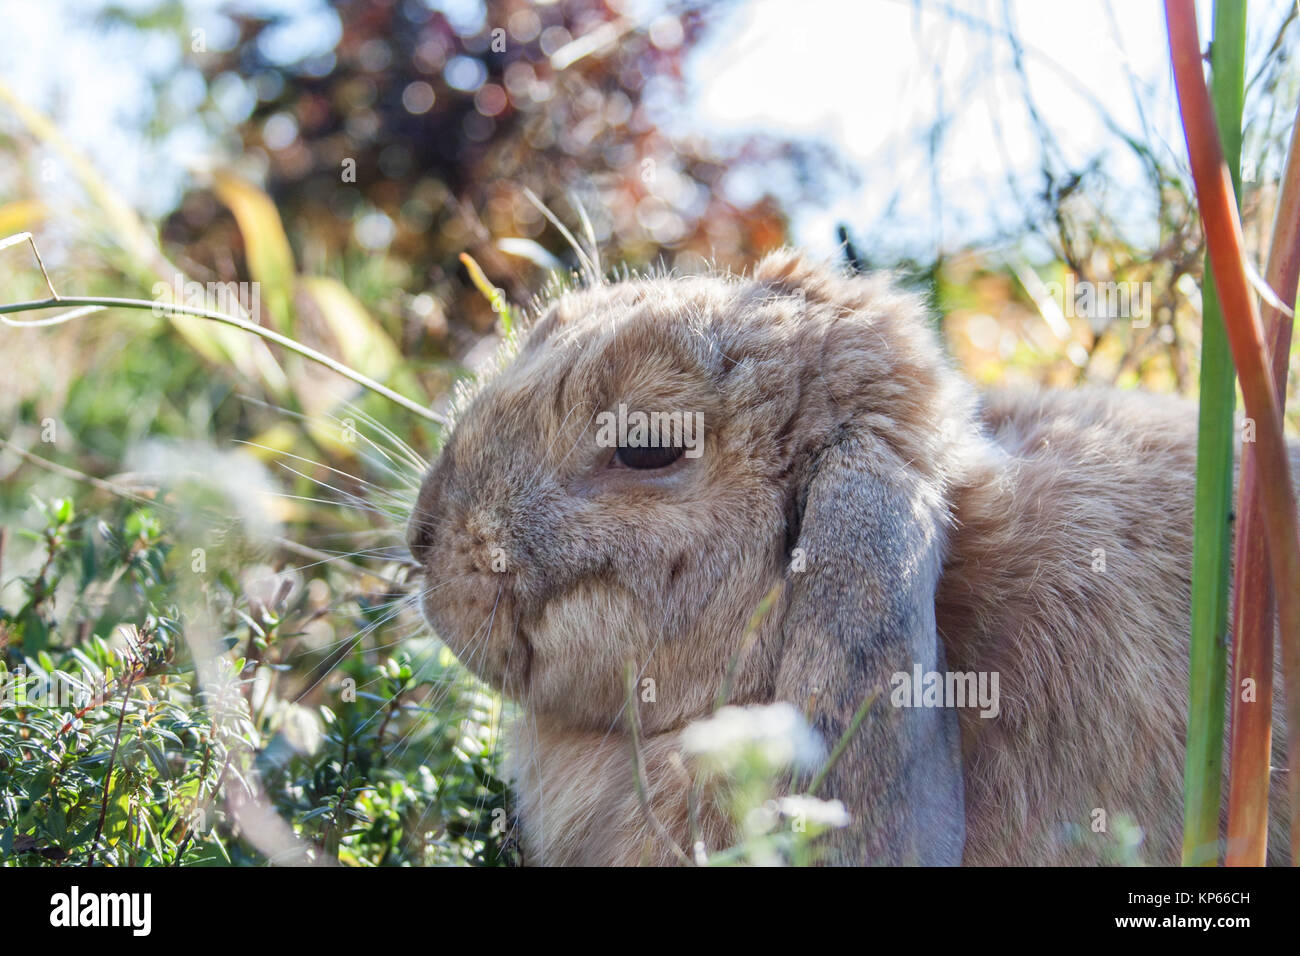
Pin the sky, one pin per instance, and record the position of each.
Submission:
(871, 78)
(866, 77)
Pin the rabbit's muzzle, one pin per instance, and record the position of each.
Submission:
(471, 595)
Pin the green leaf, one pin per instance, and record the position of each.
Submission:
(39, 785)
(56, 824)
(166, 734)
(119, 809)
(158, 760)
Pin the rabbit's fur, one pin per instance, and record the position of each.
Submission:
(930, 523)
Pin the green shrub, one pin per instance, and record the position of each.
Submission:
(374, 749)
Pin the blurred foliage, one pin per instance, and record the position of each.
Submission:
(114, 751)
(412, 142)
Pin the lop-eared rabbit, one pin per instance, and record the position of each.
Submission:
(1043, 537)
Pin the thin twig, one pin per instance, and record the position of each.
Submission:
(638, 772)
(108, 772)
(748, 639)
(842, 744)
(97, 303)
(31, 241)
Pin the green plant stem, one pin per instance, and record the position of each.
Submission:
(842, 744)
(1203, 769)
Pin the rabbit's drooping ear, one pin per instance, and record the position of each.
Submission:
(862, 610)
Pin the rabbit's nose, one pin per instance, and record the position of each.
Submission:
(485, 527)
(419, 537)
(428, 517)
(485, 538)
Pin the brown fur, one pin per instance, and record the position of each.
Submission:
(605, 566)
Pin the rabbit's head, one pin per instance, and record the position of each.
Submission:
(632, 481)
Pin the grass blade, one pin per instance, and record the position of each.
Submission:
(1202, 772)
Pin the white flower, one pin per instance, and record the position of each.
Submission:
(826, 813)
(763, 818)
(301, 729)
(207, 481)
(776, 734)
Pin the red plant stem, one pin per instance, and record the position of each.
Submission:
(1253, 622)
(1223, 237)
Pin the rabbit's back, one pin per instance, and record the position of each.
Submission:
(1069, 575)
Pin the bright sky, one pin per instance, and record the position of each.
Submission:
(871, 76)
(868, 77)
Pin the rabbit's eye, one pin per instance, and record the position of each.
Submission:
(646, 457)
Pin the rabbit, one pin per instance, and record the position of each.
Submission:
(899, 519)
